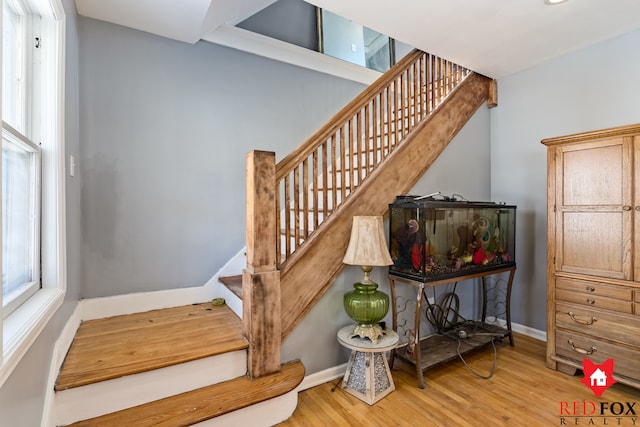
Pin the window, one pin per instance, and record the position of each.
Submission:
(20, 159)
(20, 219)
(33, 240)
(344, 39)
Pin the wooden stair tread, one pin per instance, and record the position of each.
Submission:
(234, 283)
(113, 347)
(205, 403)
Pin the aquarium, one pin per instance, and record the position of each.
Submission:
(432, 239)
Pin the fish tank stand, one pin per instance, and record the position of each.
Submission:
(437, 348)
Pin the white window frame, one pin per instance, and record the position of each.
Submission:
(21, 328)
(17, 139)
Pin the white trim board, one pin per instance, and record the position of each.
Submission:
(248, 41)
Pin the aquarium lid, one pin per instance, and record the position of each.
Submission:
(439, 201)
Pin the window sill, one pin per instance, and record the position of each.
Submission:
(21, 328)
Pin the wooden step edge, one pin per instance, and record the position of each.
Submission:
(234, 283)
(205, 403)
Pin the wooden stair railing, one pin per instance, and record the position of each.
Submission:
(311, 190)
(318, 176)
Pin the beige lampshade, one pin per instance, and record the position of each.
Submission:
(367, 245)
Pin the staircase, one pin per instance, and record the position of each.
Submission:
(299, 211)
(201, 364)
(172, 367)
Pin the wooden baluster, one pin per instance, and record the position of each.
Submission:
(388, 131)
(304, 190)
(354, 132)
(376, 132)
(441, 86)
(432, 83)
(296, 207)
(366, 139)
(401, 107)
(325, 187)
(287, 218)
(314, 184)
(334, 172)
(417, 78)
(349, 153)
(343, 163)
(417, 95)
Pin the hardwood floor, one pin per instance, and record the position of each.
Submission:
(522, 392)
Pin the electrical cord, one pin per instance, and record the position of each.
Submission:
(473, 371)
(438, 317)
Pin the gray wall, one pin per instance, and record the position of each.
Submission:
(22, 395)
(166, 127)
(292, 21)
(591, 89)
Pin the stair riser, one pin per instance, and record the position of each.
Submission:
(262, 414)
(109, 396)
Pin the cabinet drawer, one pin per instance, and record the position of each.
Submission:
(599, 324)
(637, 296)
(577, 347)
(595, 288)
(595, 301)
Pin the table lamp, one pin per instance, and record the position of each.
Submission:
(365, 304)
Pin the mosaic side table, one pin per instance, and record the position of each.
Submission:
(368, 376)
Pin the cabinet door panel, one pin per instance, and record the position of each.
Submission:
(594, 211)
(593, 176)
(593, 243)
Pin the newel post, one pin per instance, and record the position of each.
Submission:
(261, 278)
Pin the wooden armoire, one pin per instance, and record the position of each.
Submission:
(593, 251)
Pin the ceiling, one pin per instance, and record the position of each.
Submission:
(493, 37)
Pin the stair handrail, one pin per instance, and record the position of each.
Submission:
(341, 154)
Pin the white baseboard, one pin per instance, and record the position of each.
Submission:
(322, 377)
(530, 332)
(60, 348)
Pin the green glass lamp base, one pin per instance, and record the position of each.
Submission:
(367, 306)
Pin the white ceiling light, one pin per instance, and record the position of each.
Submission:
(552, 2)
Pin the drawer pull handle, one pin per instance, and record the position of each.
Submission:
(582, 350)
(626, 208)
(590, 288)
(590, 301)
(582, 322)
